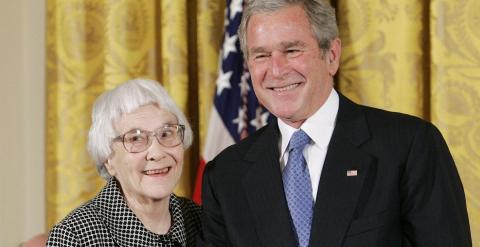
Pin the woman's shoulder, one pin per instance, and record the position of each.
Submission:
(186, 205)
(191, 213)
(82, 217)
(82, 221)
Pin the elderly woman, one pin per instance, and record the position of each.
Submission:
(137, 139)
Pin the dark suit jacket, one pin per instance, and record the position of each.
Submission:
(407, 191)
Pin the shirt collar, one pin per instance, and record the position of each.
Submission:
(314, 126)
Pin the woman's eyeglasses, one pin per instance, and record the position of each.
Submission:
(137, 140)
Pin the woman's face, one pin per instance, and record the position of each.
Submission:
(151, 174)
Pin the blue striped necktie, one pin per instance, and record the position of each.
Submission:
(298, 188)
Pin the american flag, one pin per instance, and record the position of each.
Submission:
(236, 111)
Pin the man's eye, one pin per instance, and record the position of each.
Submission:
(293, 52)
(260, 56)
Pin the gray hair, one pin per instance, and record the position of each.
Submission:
(320, 13)
(125, 98)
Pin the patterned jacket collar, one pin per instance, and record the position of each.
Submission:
(126, 228)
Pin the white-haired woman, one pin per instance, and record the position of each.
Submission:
(137, 139)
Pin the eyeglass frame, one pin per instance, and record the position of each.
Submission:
(180, 131)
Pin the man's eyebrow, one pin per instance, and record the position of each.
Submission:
(283, 45)
(258, 49)
(289, 44)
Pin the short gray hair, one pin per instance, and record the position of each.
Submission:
(320, 13)
(125, 98)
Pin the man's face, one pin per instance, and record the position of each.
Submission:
(291, 76)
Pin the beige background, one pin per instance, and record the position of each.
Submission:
(22, 111)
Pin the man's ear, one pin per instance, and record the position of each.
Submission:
(333, 56)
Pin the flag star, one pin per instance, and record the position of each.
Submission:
(240, 119)
(236, 6)
(261, 118)
(226, 21)
(229, 44)
(244, 86)
(223, 81)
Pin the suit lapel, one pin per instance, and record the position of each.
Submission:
(338, 191)
(264, 191)
(337, 194)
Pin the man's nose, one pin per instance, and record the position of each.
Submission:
(279, 62)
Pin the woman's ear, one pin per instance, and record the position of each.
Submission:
(109, 166)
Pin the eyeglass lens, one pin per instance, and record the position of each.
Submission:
(140, 140)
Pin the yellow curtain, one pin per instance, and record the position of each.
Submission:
(173, 63)
(75, 76)
(455, 91)
(93, 45)
(421, 58)
(209, 39)
(383, 54)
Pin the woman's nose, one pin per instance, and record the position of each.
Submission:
(155, 151)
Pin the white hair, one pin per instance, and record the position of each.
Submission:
(123, 99)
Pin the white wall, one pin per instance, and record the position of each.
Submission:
(22, 128)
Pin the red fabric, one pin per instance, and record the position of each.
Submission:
(197, 190)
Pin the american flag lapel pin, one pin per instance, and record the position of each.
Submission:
(352, 173)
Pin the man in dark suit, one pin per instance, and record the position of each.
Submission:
(360, 177)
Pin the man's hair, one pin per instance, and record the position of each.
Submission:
(320, 13)
(126, 98)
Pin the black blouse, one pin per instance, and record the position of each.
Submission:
(106, 220)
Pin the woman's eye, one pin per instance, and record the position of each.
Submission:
(136, 138)
(166, 133)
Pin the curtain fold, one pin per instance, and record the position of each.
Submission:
(174, 66)
(75, 62)
(209, 39)
(416, 57)
(382, 57)
(455, 91)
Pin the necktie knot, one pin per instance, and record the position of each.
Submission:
(299, 140)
